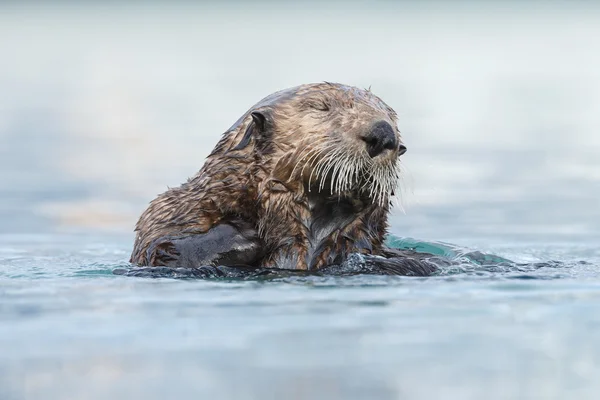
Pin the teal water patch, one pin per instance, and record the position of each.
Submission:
(446, 250)
(96, 270)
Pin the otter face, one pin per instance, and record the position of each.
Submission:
(335, 139)
(339, 139)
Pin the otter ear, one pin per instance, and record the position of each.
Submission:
(257, 129)
(259, 119)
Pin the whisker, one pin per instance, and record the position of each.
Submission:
(313, 151)
(328, 158)
(325, 172)
(318, 165)
(338, 163)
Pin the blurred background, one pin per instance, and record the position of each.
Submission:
(105, 104)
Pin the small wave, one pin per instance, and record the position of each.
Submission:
(422, 259)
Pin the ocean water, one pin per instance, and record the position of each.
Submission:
(103, 107)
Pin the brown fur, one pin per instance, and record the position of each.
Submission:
(262, 177)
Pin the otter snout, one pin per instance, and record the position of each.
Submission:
(381, 138)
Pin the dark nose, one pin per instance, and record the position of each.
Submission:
(381, 138)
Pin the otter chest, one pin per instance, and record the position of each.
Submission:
(329, 223)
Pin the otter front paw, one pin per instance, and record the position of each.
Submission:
(357, 264)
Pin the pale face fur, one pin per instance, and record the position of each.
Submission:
(282, 166)
(319, 133)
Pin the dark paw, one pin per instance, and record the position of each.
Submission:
(167, 272)
(203, 272)
(357, 264)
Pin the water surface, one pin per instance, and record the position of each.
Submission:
(102, 107)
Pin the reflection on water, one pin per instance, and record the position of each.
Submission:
(103, 107)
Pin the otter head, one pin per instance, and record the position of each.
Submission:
(308, 171)
(331, 138)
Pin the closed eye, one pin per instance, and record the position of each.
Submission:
(322, 106)
(316, 104)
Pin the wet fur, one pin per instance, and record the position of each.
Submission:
(262, 173)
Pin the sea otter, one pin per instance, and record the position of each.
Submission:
(301, 181)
